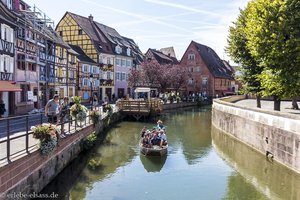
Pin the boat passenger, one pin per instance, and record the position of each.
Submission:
(155, 140)
(160, 124)
(146, 141)
(163, 138)
(143, 131)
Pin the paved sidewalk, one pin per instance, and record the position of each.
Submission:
(285, 106)
(18, 145)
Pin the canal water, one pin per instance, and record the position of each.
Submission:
(202, 163)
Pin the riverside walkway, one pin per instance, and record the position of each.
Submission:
(285, 106)
(15, 144)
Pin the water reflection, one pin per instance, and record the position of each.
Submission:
(272, 179)
(153, 163)
(191, 129)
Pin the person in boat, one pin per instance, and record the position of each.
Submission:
(163, 138)
(146, 140)
(160, 124)
(155, 139)
(143, 131)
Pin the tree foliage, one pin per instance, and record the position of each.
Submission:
(153, 74)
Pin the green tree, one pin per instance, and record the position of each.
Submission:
(239, 52)
(273, 38)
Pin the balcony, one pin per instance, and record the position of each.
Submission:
(7, 47)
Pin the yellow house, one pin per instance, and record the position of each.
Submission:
(81, 31)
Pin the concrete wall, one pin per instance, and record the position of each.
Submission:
(33, 172)
(253, 126)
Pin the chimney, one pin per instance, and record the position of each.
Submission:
(91, 17)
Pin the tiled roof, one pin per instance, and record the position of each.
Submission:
(88, 26)
(137, 53)
(81, 55)
(162, 58)
(213, 61)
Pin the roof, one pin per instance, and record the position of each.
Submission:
(81, 55)
(114, 37)
(213, 61)
(88, 26)
(168, 51)
(137, 53)
(162, 58)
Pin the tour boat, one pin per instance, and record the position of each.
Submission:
(155, 150)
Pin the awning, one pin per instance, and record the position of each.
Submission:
(142, 89)
(7, 86)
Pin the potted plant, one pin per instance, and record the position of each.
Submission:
(47, 134)
(78, 111)
(95, 116)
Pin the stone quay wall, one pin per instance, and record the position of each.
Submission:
(264, 131)
(31, 173)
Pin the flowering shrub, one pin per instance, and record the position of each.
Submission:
(107, 108)
(78, 111)
(47, 134)
(95, 116)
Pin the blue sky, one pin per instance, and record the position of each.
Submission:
(157, 23)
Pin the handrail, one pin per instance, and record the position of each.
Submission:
(8, 136)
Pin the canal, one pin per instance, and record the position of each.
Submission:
(202, 163)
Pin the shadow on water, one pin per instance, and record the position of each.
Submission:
(270, 178)
(153, 163)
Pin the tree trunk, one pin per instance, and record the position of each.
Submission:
(294, 104)
(276, 103)
(258, 102)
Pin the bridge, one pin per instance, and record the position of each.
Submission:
(140, 108)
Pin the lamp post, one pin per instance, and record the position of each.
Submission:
(91, 98)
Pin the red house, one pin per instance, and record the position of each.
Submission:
(207, 73)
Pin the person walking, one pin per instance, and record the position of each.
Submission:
(63, 110)
(2, 108)
(52, 109)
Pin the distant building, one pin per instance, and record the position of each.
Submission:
(207, 73)
(85, 68)
(160, 57)
(7, 57)
(83, 32)
(169, 51)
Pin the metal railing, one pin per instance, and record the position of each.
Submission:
(16, 137)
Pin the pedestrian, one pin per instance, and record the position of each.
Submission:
(52, 109)
(95, 101)
(70, 105)
(2, 108)
(63, 110)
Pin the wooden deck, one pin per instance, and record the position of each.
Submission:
(139, 108)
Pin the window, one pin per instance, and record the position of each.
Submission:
(80, 32)
(118, 62)
(118, 49)
(128, 63)
(126, 77)
(109, 75)
(123, 75)
(197, 69)
(108, 60)
(31, 67)
(123, 63)
(191, 69)
(128, 52)
(21, 32)
(9, 4)
(86, 68)
(25, 89)
(204, 81)
(85, 82)
(191, 56)
(61, 33)
(118, 76)
(21, 61)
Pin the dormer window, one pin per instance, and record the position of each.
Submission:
(128, 52)
(118, 49)
(9, 4)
